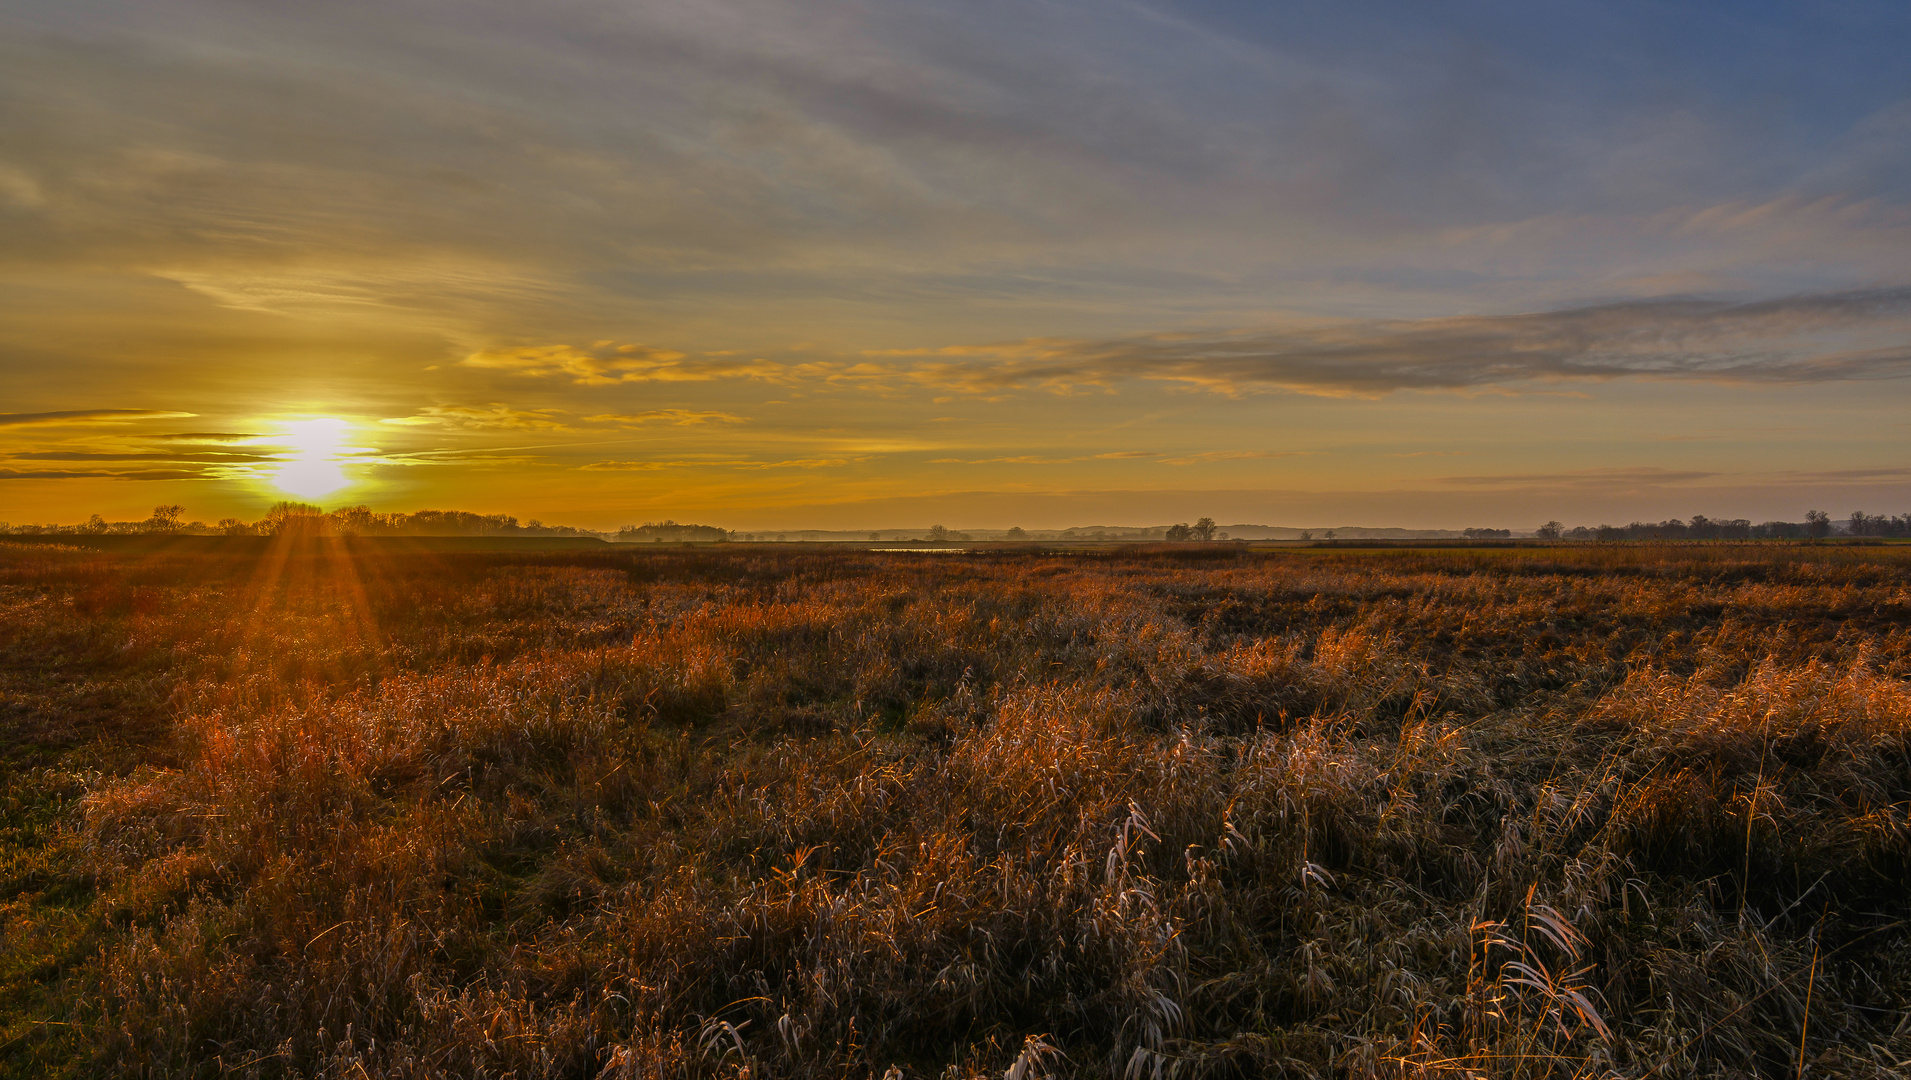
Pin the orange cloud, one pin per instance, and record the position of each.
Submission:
(495, 416)
(607, 364)
(672, 417)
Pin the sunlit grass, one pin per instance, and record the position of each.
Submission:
(1566, 812)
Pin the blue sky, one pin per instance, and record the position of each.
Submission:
(840, 264)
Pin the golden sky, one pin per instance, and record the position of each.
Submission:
(846, 265)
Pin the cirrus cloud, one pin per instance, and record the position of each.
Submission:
(1823, 337)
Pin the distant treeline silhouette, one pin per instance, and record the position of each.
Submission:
(1817, 525)
(363, 521)
(287, 517)
(669, 532)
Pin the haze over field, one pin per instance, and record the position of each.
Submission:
(797, 265)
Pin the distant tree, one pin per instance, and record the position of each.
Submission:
(233, 527)
(875, 536)
(1220, 536)
(1178, 533)
(1549, 531)
(1016, 533)
(1330, 534)
(1817, 524)
(1204, 529)
(1863, 524)
(938, 533)
(656, 532)
(165, 519)
(1305, 535)
(357, 521)
(95, 524)
(287, 518)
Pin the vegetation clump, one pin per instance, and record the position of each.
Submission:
(1163, 812)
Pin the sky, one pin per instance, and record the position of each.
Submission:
(797, 264)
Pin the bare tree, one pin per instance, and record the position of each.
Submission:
(165, 519)
(1817, 524)
(1549, 531)
(1204, 529)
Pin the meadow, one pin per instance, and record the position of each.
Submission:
(320, 809)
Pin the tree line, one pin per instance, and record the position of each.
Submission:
(288, 517)
(1817, 525)
(1201, 530)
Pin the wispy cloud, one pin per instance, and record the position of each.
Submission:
(87, 416)
(210, 457)
(1128, 455)
(1849, 476)
(669, 417)
(1235, 455)
(607, 364)
(1584, 478)
(1821, 337)
(103, 474)
(1048, 459)
(736, 463)
(496, 416)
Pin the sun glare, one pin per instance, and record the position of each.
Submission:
(314, 468)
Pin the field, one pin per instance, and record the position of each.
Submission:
(308, 809)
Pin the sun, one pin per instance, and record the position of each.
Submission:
(314, 468)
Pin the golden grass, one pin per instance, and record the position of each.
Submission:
(1554, 812)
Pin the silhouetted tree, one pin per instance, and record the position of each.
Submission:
(938, 533)
(1549, 531)
(1178, 533)
(1016, 533)
(1817, 524)
(659, 532)
(1204, 529)
(285, 518)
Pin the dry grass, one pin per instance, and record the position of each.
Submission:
(1639, 812)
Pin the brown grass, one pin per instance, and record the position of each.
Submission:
(1632, 811)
